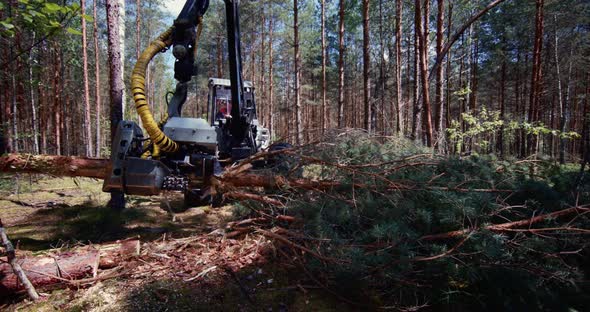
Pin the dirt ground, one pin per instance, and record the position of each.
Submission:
(186, 262)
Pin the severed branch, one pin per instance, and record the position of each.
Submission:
(18, 271)
(509, 226)
(259, 198)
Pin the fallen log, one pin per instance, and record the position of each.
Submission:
(14, 265)
(71, 268)
(68, 166)
(73, 166)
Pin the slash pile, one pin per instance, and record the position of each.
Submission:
(382, 222)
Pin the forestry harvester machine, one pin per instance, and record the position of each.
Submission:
(181, 153)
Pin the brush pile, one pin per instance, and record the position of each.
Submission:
(384, 222)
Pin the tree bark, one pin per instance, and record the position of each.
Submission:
(341, 65)
(97, 99)
(262, 70)
(69, 166)
(115, 82)
(562, 109)
(298, 109)
(500, 144)
(86, 96)
(57, 89)
(423, 55)
(440, 16)
(448, 73)
(382, 110)
(122, 40)
(271, 122)
(398, 65)
(368, 117)
(34, 121)
(324, 115)
(219, 49)
(137, 28)
(535, 92)
(417, 110)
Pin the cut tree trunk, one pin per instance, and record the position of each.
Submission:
(70, 268)
(55, 165)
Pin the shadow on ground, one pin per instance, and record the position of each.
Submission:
(64, 225)
(267, 288)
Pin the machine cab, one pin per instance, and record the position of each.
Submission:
(220, 104)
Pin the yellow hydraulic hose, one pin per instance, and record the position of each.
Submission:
(155, 151)
(159, 139)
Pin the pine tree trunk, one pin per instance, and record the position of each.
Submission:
(382, 110)
(566, 103)
(439, 70)
(13, 111)
(86, 95)
(423, 50)
(536, 73)
(271, 114)
(448, 73)
(16, 94)
(341, 65)
(219, 57)
(96, 79)
(417, 110)
(474, 79)
(137, 28)
(500, 143)
(262, 70)
(324, 114)
(122, 40)
(115, 82)
(57, 100)
(43, 101)
(368, 117)
(34, 121)
(407, 108)
(562, 110)
(398, 65)
(298, 110)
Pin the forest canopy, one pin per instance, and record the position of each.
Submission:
(513, 82)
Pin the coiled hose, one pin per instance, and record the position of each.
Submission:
(158, 138)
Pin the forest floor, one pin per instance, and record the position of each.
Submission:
(185, 263)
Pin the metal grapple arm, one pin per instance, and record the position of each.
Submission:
(184, 47)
